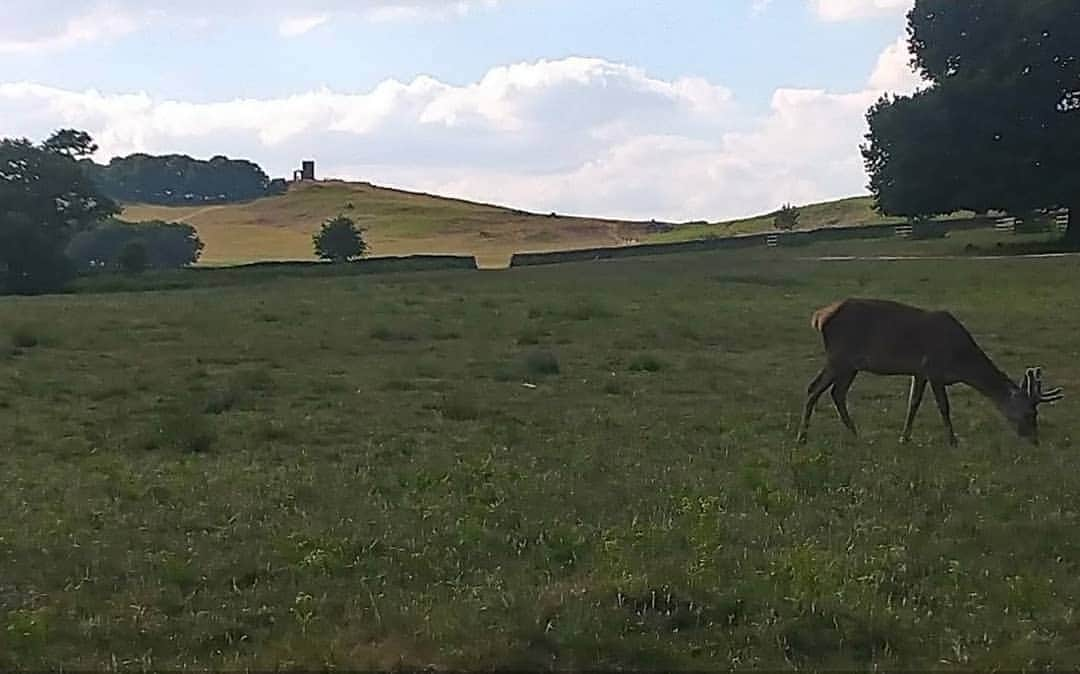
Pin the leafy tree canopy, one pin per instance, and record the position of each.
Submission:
(45, 198)
(167, 245)
(998, 127)
(339, 240)
(179, 179)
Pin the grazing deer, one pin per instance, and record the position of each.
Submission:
(888, 338)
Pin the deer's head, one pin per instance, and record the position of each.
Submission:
(1022, 407)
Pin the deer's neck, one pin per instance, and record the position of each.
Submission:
(990, 381)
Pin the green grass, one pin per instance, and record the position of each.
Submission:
(847, 212)
(273, 475)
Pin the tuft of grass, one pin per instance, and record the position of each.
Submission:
(458, 407)
(275, 430)
(187, 431)
(587, 310)
(384, 333)
(25, 337)
(239, 390)
(542, 363)
(613, 387)
(530, 337)
(646, 362)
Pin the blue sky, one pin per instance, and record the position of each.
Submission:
(562, 105)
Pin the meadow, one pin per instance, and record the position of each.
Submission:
(575, 466)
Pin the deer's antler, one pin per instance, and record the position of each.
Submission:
(1033, 388)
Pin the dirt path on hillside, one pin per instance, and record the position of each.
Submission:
(201, 211)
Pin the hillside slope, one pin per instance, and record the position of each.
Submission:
(397, 223)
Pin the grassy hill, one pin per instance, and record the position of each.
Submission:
(401, 223)
(842, 212)
(397, 222)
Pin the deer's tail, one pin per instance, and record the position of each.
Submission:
(824, 315)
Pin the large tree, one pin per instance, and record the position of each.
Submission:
(999, 125)
(45, 198)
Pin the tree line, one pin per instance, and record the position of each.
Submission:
(174, 179)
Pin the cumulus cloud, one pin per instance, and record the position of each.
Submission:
(300, 25)
(575, 135)
(894, 72)
(60, 24)
(22, 32)
(845, 10)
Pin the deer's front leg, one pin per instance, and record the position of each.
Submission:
(821, 383)
(918, 388)
(942, 398)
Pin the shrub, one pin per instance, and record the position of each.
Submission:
(166, 245)
(339, 240)
(787, 218)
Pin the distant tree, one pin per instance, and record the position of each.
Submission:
(787, 218)
(998, 128)
(168, 245)
(277, 186)
(133, 258)
(45, 198)
(339, 240)
(71, 142)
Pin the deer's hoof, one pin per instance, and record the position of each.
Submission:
(905, 440)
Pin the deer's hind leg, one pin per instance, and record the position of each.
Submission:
(840, 389)
(821, 383)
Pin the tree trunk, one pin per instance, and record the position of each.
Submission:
(1072, 234)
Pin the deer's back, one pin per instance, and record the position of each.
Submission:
(888, 338)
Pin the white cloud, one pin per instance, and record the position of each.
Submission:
(20, 34)
(60, 24)
(759, 6)
(575, 135)
(893, 71)
(300, 25)
(845, 10)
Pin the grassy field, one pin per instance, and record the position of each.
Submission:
(575, 466)
(397, 223)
